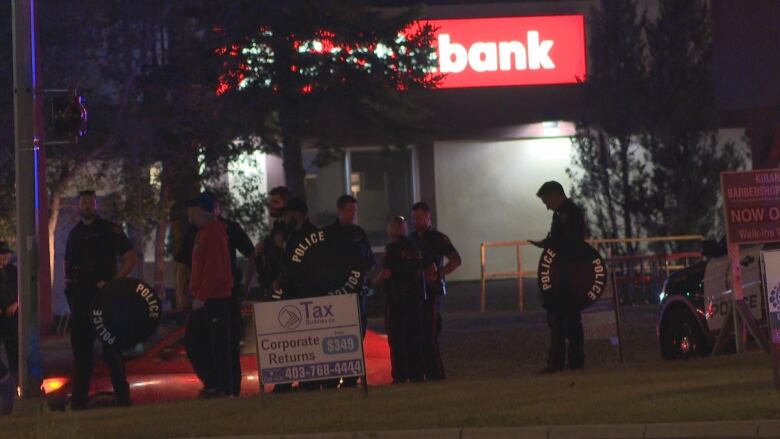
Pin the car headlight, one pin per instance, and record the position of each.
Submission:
(51, 385)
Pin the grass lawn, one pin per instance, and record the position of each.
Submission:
(492, 362)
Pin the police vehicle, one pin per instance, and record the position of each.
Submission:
(694, 303)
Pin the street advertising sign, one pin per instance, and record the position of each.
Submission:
(751, 202)
(309, 339)
(510, 51)
(770, 262)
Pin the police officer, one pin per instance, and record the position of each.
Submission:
(268, 252)
(9, 307)
(238, 241)
(438, 247)
(563, 311)
(292, 283)
(404, 271)
(345, 229)
(90, 262)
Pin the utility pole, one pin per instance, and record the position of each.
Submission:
(32, 244)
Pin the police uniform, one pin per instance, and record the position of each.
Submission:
(357, 236)
(563, 313)
(268, 262)
(91, 257)
(239, 241)
(436, 246)
(9, 325)
(404, 294)
(359, 239)
(294, 283)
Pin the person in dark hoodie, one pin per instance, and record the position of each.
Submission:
(564, 318)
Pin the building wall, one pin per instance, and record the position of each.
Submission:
(486, 191)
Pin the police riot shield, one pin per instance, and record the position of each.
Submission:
(324, 263)
(574, 276)
(126, 312)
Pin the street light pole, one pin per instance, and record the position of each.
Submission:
(30, 192)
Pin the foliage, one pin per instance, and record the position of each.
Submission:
(606, 139)
(647, 142)
(332, 72)
(685, 149)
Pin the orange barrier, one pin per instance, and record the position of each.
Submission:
(600, 244)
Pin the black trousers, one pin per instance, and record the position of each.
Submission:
(9, 337)
(82, 341)
(565, 326)
(236, 335)
(429, 338)
(363, 303)
(208, 344)
(403, 321)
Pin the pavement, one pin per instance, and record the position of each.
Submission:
(718, 429)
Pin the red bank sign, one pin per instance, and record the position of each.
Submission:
(490, 52)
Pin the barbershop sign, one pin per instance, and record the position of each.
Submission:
(309, 339)
(751, 202)
(508, 51)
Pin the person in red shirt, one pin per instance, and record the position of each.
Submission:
(211, 281)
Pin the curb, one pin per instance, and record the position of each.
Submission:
(730, 429)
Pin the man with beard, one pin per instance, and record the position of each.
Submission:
(268, 252)
(90, 262)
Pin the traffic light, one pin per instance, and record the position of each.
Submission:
(65, 116)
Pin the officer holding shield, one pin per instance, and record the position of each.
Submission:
(567, 233)
(90, 262)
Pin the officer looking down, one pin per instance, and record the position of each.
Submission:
(563, 310)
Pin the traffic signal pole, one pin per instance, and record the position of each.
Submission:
(31, 204)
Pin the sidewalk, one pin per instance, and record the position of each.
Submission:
(721, 429)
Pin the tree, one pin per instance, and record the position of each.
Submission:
(685, 150)
(7, 157)
(606, 148)
(331, 71)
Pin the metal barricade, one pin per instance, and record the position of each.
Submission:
(642, 269)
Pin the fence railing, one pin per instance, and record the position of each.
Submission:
(638, 268)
